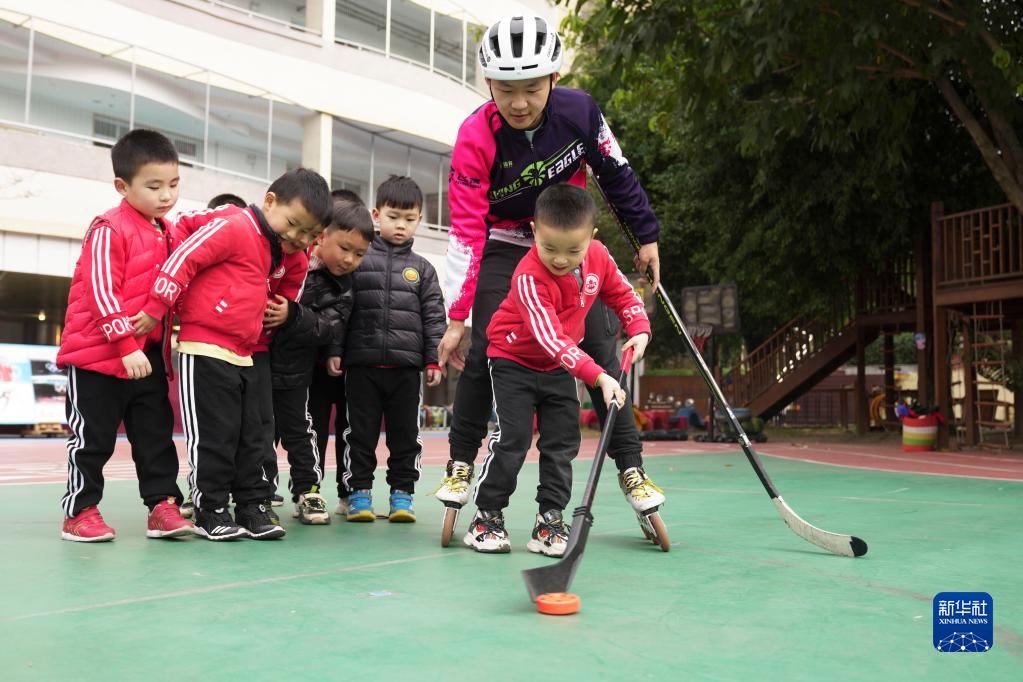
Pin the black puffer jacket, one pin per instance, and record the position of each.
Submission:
(315, 328)
(399, 309)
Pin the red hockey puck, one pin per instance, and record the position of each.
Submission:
(558, 603)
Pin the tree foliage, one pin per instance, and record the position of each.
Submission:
(787, 144)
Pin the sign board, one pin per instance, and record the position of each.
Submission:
(714, 305)
(32, 388)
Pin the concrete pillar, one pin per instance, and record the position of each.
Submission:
(317, 143)
(321, 15)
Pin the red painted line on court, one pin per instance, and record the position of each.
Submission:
(44, 460)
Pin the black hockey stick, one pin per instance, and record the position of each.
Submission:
(845, 545)
(557, 577)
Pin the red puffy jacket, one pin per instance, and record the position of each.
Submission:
(218, 280)
(121, 256)
(287, 280)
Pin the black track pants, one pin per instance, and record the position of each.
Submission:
(394, 395)
(519, 393)
(223, 421)
(327, 395)
(96, 404)
(295, 432)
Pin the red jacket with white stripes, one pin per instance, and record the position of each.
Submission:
(541, 322)
(287, 280)
(121, 255)
(217, 278)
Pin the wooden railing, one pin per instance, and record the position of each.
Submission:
(978, 247)
(892, 290)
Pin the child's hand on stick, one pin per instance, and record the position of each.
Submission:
(611, 389)
(637, 342)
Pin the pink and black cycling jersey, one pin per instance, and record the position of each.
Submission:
(497, 173)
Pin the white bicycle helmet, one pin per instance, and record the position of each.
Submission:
(519, 48)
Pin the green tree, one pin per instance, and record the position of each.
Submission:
(753, 180)
(826, 69)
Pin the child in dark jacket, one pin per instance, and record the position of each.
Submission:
(315, 331)
(396, 325)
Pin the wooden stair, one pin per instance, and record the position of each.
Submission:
(804, 351)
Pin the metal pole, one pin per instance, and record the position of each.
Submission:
(372, 160)
(433, 41)
(269, 134)
(206, 124)
(408, 162)
(28, 70)
(131, 98)
(440, 188)
(387, 31)
(465, 39)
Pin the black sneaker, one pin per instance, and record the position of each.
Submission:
(274, 518)
(256, 520)
(187, 509)
(276, 501)
(550, 534)
(487, 533)
(217, 525)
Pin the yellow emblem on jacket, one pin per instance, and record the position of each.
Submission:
(411, 275)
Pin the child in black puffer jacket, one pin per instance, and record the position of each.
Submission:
(315, 333)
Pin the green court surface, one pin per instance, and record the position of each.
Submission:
(739, 597)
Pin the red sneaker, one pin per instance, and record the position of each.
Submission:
(87, 526)
(165, 521)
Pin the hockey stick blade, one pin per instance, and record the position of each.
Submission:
(844, 545)
(836, 543)
(557, 577)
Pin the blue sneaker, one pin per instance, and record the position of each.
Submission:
(360, 506)
(401, 508)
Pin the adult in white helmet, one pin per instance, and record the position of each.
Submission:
(530, 136)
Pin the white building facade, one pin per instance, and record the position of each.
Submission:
(246, 89)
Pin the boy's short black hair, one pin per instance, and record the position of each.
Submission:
(310, 188)
(226, 198)
(400, 191)
(138, 147)
(352, 217)
(564, 207)
(347, 195)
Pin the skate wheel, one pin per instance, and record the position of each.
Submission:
(660, 531)
(448, 526)
(648, 530)
(558, 603)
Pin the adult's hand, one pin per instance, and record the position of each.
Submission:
(447, 349)
(648, 258)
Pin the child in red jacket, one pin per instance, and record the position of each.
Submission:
(115, 355)
(225, 266)
(534, 362)
(283, 285)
